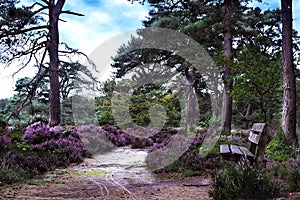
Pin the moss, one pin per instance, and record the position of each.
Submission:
(90, 172)
(40, 181)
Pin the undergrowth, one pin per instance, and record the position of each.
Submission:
(243, 181)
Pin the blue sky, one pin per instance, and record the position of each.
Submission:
(104, 19)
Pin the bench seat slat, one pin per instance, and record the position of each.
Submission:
(224, 149)
(257, 137)
(246, 152)
(235, 150)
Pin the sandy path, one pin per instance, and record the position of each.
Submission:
(120, 174)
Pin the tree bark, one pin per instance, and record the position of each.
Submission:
(227, 99)
(54, 110)
(191, 109)
(289, 81)
(247, 116)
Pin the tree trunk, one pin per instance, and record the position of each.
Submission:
(54, 110)
(289, 81)
(192, 110)
(227, 99)
(247, 116)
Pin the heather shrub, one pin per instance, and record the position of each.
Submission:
(243, 181)
(95, 139)
(160, 140)
(40, 149)
(38, 133)
(293, 175)
(188, 161)
(5, 144)
(142, 132)
(141, 143)
(31, 165)
(56, 146)
(117, 136)
(7, 172)
(14, 165)
(102, 139)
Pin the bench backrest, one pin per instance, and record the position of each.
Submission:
(256, 132)
(258, 138)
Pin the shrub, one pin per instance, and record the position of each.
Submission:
(95, 139)
(141, 143)
(40, 149)
(38, 133)
(56, 146)
(5, 143)
(32, 165)
(278, 148)
(16, 167)
(10, 176)
(294, 174)
(117, 136)
(243, 181)
(189, 161)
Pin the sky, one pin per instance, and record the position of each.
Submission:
(104, 19)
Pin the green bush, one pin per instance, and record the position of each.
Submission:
(294, 174)
(11, 176)
(243, 181)
(278, 148)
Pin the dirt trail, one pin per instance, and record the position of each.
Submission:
(119, 174)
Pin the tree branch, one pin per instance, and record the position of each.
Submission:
(6, 33)
(71, 13)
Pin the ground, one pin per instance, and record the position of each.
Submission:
(117, 175)
(75, 187)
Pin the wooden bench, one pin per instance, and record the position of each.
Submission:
(258, 139)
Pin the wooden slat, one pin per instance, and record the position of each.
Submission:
(224, 149)
(246, 151)
(258, 127)
(257, 137)
(235, 150)
(253, 137)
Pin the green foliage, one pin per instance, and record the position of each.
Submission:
(140, 103)
(11, 176)
(104, 112)
(289, 172)
(278, 148)
(21, 146)
(294, 174)
(243, 182)
(66, 112)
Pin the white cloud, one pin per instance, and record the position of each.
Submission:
(103, 19)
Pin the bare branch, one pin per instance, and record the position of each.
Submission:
(39, 10)
(62, 20)
(71, 13)
(6, 33)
